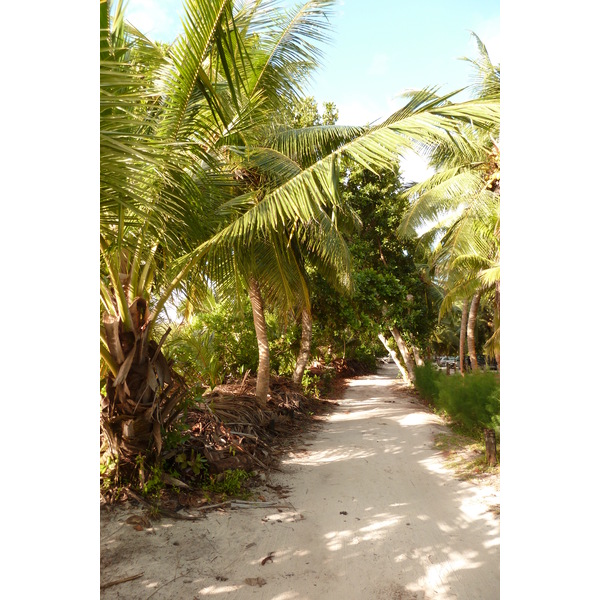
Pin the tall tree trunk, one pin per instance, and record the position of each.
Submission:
(408, 361)
(463, 335)
(143, 397)
(260, 326)
(418, 360)
(394, 356)
(471, 330)
(490, 447)
(497, 324)
(304, 353)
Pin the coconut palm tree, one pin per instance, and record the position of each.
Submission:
(158, 190)
(197, 185)
(289, 175)
(462, 200)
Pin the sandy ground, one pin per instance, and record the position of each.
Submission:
(371, 513)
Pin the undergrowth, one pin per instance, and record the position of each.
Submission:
(471, 402)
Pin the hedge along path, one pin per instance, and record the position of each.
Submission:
(370, 512)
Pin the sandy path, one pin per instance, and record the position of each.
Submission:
(372, 515)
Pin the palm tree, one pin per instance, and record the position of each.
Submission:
(289, 175)
(197, 186)
(462, 199)
(158, 189)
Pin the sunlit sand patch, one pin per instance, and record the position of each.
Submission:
(433, 464)
(445, 528)
(328, 456)
(380, 525)
(285, 596)
(382, 382)
(359, 414)
(214, 590)
(419, 418)
(337, 539)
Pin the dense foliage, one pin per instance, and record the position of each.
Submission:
(472, 401)
(225, 190)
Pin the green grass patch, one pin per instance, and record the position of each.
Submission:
(427, 380)
(230, 483)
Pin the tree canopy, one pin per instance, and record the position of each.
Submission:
(220, 181)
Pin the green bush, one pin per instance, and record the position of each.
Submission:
(472, 401)
(427, 380)
(284, 344)
(216, 344)
(229, 483)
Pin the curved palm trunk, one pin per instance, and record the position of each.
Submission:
(463, 335)
(305, 340)
(404, 351)
(260, 326)
(471, 330)
(497, 324)
(394, 356)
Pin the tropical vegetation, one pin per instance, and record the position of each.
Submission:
(275, 235)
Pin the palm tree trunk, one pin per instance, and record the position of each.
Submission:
(394, 356)
(471, 330)
(463, 335)
(408, 361)
(143, 397)
(304, 354)
(497, 325)
(260, 327)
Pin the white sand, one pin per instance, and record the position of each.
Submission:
(373, 514)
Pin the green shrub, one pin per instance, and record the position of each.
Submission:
(472, 401)
(284, 344)
(427, 380)
(310, 384)
(216, 344)
(229, 483)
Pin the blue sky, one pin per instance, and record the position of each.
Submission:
(378, 49)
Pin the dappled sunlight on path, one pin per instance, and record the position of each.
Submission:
(372, 514)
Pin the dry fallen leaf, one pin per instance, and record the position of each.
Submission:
(267, 558)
